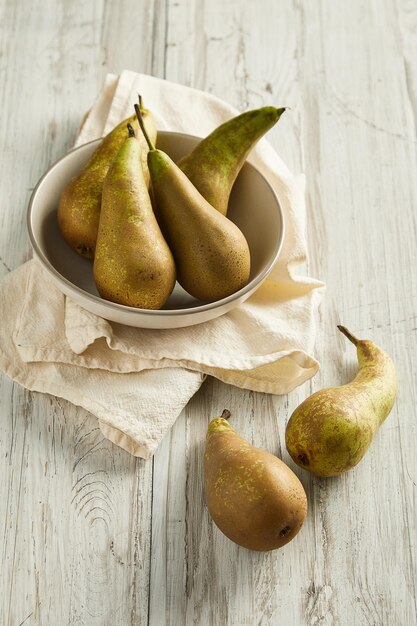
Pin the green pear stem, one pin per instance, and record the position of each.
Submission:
(131, 130)
(226, 414)
(348, 334)
(140, 101)
(143, 129)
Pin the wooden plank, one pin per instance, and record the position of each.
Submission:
(76, 510)
(360, 155)
(133, 37)
(349, 132)
(212, 580)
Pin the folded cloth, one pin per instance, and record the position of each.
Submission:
(137, 381)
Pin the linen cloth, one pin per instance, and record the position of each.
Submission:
(137, 381)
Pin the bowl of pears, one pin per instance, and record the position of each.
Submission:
(158, 229)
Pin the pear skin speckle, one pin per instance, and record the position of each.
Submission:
(252, 496)
(330, 431)
(215, 162)
(79, 205)
(211, 253)
(133, 264)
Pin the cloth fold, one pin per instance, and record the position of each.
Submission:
(137, 381)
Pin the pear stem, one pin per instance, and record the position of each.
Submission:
(349, 335)
(140, 101)
(131, 130)
(226, 414)
(142, 127)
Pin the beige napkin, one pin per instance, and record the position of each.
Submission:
(137, 381)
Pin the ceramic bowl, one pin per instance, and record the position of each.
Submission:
(253, 206)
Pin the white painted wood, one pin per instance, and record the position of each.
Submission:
(92, 536)
(75, 509)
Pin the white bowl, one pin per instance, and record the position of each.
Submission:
(253, 206)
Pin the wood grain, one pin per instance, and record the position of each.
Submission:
(76, 510)
(92, 536)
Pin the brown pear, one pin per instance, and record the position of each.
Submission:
(211, 253)
(252, 496)
(79, 205)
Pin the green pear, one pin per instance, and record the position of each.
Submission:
(252, 496)
(79, 205)
(133, 264)
(331, 430)
(213, 165)
(211, 253)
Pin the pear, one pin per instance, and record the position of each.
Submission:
(213, 165)
(211, 253)
(331, 430)
(79, 205)
(252, 496)
(133, 264)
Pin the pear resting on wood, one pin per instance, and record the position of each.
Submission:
(331, 430)
(252, 496)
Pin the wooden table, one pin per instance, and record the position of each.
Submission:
(92, 536)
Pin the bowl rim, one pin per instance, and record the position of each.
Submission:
(250, 286)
